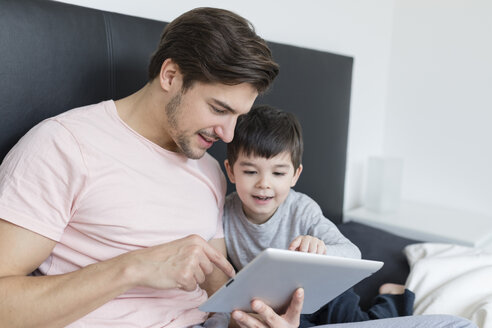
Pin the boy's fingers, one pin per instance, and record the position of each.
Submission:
(304, 247)
(295, 243)
(308, 244)
(313, 246)
(321, 247)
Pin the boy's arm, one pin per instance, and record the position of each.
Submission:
(336, 243)
(308, 220)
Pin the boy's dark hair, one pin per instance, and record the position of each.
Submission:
(266, 132)
(215, 45)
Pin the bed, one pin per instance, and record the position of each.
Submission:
(57, 56)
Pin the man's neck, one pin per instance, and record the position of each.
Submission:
(140, 112)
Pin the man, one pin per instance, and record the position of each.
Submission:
(118, 207)
(118, 204)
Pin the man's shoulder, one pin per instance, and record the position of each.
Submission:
(208, 169)
(85, 114)
(55, 125)
(44, 138)
(56, 134)
(211, 167)
(209, 161)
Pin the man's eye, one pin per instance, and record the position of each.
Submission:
(249, 172)
(279, 173)
(218, 110)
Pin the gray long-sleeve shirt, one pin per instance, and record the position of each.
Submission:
(297, 215)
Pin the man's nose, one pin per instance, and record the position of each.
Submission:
(226, 130)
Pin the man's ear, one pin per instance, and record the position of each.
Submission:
(170, 75)
(296, 176)
(229, 170)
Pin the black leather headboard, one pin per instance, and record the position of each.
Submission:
(55, 56)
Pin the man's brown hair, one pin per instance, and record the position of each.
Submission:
(216, 46)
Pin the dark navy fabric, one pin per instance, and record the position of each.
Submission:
(345, 308)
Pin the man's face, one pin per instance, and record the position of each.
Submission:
(206, 113)
(262, 184)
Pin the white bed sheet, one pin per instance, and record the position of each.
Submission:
(451, 279)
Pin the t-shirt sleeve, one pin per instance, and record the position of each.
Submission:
(40, 179)
(317, 225)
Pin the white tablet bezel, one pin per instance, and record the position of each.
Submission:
(275, 274)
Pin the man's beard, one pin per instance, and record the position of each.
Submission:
(182, 141)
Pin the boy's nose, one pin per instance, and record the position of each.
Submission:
(262, 183)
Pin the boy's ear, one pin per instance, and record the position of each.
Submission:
(230, 172)
(296, 176)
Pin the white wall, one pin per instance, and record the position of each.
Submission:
(439, 110)
(357, 28)
(422, 84)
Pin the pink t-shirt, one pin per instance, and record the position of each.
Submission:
(88, 181)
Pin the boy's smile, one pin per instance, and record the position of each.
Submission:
(262, 200)
(262, 184)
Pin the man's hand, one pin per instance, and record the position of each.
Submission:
(267, 318)
(183, 263)
(217, 278)
(308, 244)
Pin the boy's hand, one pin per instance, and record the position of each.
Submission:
(308, 244)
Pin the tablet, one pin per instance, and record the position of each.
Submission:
(275, 274)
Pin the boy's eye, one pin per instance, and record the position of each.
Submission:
(249, 172)
(279, 173)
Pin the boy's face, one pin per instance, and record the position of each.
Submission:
(262, 184)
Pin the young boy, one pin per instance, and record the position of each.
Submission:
(264, 162)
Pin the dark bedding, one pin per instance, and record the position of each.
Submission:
(377, 244)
